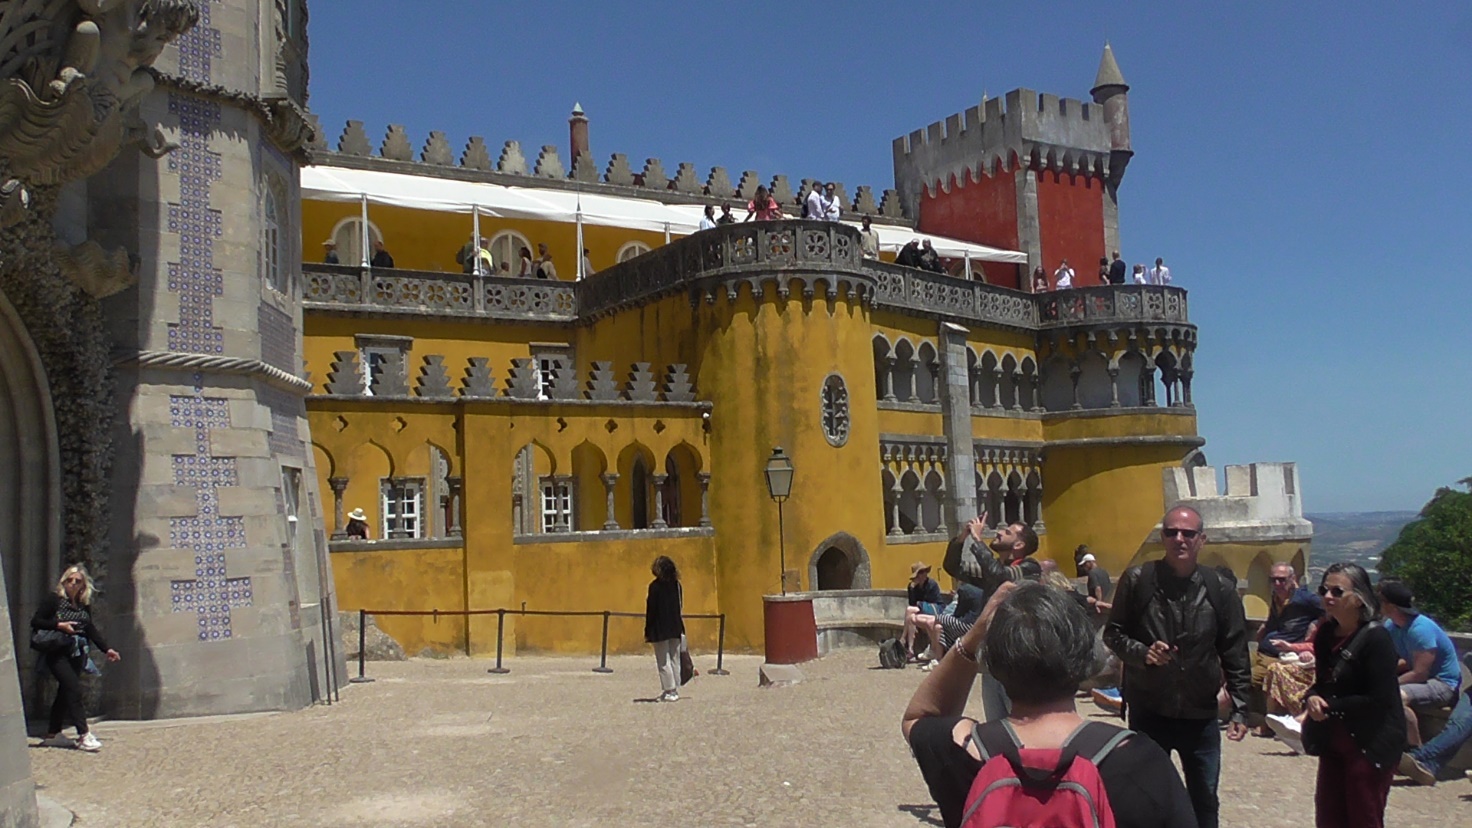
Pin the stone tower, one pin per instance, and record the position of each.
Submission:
(1030, 172)
(217, 560)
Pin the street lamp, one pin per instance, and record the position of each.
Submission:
(779, 486)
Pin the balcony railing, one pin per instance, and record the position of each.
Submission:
(336, 287)
(819, 256)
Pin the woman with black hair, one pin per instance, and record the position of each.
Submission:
(663, 625)
(1355, 722)
(68, 611)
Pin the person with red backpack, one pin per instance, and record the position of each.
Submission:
(1043, 764)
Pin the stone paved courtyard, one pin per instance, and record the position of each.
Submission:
(434, 743)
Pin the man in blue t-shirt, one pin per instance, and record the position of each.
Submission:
(1429, 675)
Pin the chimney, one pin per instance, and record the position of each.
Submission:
(577, 129)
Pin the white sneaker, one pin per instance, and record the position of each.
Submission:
(89, 743)
(671, 696)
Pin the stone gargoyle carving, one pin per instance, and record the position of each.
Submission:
(71, 77)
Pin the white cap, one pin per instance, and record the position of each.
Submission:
(1088, 558)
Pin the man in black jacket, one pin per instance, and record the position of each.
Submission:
(1178, 629)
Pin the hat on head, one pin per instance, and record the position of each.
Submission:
(330, 243)
(917, 567)
(1087, 558)
(357, 514)
(1397, 594)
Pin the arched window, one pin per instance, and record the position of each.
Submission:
(348, 234)
(631, 250)
(506, 252)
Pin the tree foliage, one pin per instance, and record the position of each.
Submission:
(1433, 554)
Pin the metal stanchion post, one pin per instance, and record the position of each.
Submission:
(720, 670)
(362, 648)
(500, 640)
(603, 653)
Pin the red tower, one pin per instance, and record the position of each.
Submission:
(1030, 172)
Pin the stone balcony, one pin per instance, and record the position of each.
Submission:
(820, 257)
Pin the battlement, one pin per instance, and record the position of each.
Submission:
(513, 166)
(1025, 128)
(1261, 501)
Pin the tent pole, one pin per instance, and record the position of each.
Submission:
(666, 232)
(579, 252)
(364, 242)
(968, 267)
(478, 270)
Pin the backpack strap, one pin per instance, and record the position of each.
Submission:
(1096, 740)
(993, 739)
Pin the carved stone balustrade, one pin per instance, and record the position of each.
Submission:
(341, 288)
(1113, 306)
(946, 297)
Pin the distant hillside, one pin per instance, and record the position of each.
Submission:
(1358, 537)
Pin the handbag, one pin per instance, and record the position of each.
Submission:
(50, 641)
(687, 665)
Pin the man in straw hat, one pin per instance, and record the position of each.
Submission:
(924, 599)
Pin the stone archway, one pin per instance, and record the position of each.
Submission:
(839, 562)
(30, 476)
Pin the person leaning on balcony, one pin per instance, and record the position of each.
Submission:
(1039, 280)
(1117, 270)
(545, 268)
(708, 221)
(1063, 276)
(869, 243)
(762, 206)
(1159, 274)
(329, 253)
(526, 270)
(357, 528)
(829, 202)
(726, 217)
(1139, 276)
(909, 255)
(929, 259)
(381, 257)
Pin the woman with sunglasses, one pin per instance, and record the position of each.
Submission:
(1355, 723)
(69, 610)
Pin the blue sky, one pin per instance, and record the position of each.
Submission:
(1303, 167)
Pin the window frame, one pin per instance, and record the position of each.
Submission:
(557, 498)
(637, 247)
(394, 494)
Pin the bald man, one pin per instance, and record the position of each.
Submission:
(1178, 628)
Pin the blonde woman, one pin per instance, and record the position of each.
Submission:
(69, 611)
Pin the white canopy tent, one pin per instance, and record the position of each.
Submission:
(419, 192)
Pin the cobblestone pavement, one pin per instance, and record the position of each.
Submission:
(434, 743)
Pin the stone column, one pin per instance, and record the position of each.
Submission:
(518, 522)
(1114, 387)
(1037, 509)
(17, 787)
(889, 363)
(996, 389)
(564, 519)
(1029, 235)
(1074, 373)
(934, 369)
(1033, 381)
(659, 483)
(955, 409)
(1147, 385)
(455, 484)
(1186, 388)
(1017, 390)
(894, 509)
(704, 478)
(339, 487)
(610, 521)
(940, 499)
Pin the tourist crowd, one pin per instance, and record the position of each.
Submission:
(1346, 670)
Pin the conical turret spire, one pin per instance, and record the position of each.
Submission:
(1109, 74)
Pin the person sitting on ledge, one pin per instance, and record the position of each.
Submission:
(929, 259)
(1040, 646)
(1425, 764)
(924, 599)
(909, 255)
(1429, 676)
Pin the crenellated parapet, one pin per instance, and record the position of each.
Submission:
(683, 182)
(1261, 502)
(1023, 130)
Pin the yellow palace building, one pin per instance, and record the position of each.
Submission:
(534, 443)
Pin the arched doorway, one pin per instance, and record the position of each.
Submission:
(839, 562)
(30, 489)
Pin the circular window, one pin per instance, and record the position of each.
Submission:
(632, 250)
(835, 410)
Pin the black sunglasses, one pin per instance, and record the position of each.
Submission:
(1180, 533)
(1280, 579)
(1337, 592)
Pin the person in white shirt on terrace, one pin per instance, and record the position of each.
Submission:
(1159, 274)
(1063, 276)
(708, 221)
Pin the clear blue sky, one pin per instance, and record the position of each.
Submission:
(1304, 167)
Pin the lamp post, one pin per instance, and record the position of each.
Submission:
(779, 486)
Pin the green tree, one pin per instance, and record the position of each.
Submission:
(1433, 554)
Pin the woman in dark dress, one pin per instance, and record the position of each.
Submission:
(1355, 723)
(69, 610)
(663, 625)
